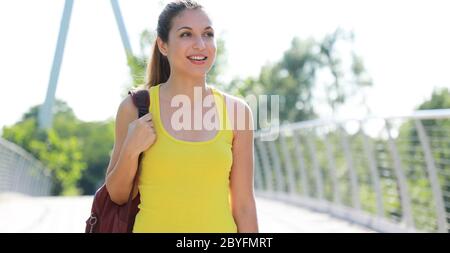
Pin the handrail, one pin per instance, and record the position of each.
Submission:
(393, 180)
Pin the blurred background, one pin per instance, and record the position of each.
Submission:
(363, 89)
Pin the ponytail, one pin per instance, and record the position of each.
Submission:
(158, 68)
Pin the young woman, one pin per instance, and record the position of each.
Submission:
(192, 180)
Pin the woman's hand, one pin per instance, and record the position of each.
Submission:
(141, 134)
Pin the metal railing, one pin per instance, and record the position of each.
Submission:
(22, 173)
(390, 174)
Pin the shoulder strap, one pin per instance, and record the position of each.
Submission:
(141, 100)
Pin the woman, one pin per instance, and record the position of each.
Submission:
(197, 180)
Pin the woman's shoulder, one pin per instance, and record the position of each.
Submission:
(230, 98)
(236, 107)
(127, 106)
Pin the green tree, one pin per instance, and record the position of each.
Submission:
(60, 152)
(344, 84)
(294, 76)
(76, 152)
(97, 139)
(440, 99)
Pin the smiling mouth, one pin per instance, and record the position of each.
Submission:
(198, 59)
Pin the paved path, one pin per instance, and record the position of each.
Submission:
(68, 214)
(279, 217)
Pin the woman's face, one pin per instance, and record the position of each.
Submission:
(191, 35)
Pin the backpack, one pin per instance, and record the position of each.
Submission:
(106, 216)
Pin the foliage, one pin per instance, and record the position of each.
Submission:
(59, 151)
(295, 77)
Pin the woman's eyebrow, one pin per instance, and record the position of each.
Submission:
(189, 28)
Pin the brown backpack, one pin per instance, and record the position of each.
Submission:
(106, 216)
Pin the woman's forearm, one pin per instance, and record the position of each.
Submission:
(246, 219)
(120, 180)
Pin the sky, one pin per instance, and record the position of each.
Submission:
(404, 45)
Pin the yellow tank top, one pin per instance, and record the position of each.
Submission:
(184, 185)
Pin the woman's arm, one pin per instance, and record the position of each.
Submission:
(241, 178)
(123, 164)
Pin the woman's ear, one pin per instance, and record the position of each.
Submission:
(161, 46)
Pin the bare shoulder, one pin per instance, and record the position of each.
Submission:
(239, 112)
(235, 100)
(127, 111)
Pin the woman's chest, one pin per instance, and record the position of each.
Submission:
(167, 159)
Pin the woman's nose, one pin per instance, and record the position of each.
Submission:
(199, 43)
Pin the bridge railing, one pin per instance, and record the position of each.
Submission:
(22, 173)
(391, 174)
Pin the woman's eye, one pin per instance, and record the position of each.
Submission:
(209, 34)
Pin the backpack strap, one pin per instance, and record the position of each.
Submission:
(141, 100)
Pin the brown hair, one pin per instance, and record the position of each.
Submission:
(158, 68)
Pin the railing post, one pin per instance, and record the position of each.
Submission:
(316, 167)
(433, 177)
(258, 177)
(26, 181)
(47, 190)
(4, 171)
(18, 175)
(259, 182)
(332, 167)
(353, 176)
(289, 167)
(402, 183)
(373, 171)
(265, 165)
(301, 163)
(277, 167)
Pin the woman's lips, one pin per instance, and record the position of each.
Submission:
(197, 62)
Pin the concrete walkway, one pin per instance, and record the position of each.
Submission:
(279, 217)
(20, 214)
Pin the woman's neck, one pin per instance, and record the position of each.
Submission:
(184, 86)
